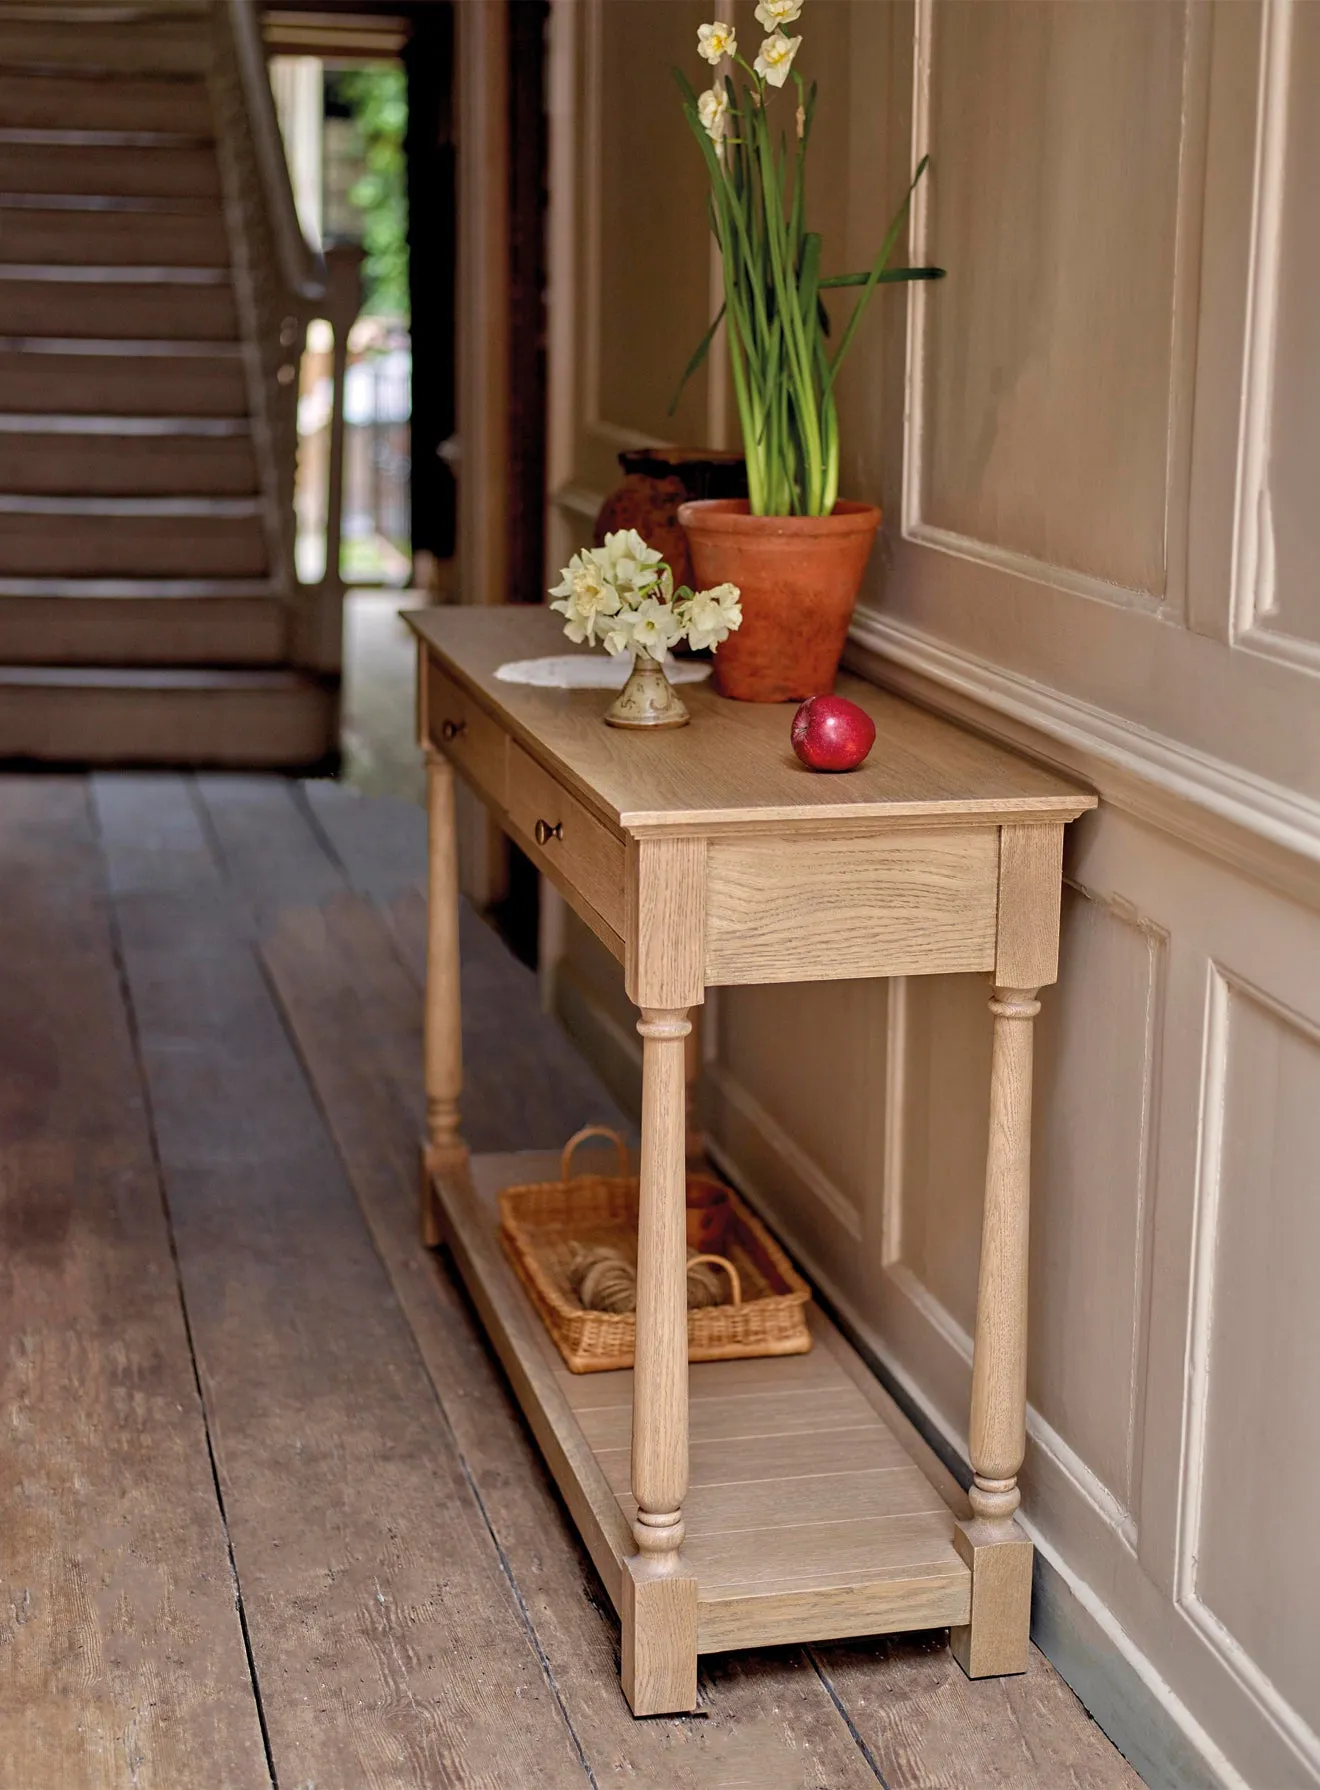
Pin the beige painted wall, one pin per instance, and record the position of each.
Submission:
(1097, 445)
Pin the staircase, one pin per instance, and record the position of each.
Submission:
(154, 296)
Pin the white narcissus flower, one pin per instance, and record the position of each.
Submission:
(774, 13)
(710, 616)
(633, 568)
(586, 597)
(655, 628)
(716, 41)
(617, 637)
(713, 110)
(776, 58)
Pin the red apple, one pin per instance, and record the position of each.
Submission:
(832, 734)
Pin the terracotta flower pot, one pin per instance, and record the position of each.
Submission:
(799, 577)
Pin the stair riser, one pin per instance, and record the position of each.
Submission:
(125, 173)
(147, 631)
(113, 238)
(155, 47)
(138, 313)
(275, 729)
(107, 385)
(127, 466)
(132, 546)
(33, 102)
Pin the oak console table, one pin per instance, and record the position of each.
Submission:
(747, 1503)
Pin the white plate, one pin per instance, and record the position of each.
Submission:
(592, 671)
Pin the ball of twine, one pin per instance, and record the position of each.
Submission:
(605, 1280)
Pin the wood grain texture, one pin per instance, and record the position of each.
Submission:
(747, 1460)
(929, 1728)
(469, 1197)
(794, 1575)
(658, 1656)
(833, 1405)
(460, 728)
(998, 1429)
(733, 766)
(443, 1048)
(584, 857)
(997, 1639)
(912, 904)
(378, 1611)
(767, 1719)
(664, 962)
(124, 1659)
(854, 1605)
(1030, 888)
(660, 1374)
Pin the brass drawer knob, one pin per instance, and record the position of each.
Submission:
(450, 730)
(545, 832)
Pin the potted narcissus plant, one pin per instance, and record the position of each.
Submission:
(794, 548)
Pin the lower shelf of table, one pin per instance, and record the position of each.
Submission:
(815, 1511)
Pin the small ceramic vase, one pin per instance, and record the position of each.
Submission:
(648, 699)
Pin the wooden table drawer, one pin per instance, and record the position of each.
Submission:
(465, 733)
(577, 850)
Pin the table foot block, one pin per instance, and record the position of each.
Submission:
(658, 1614)
(997, 1640)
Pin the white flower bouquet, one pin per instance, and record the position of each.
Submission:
(621, 596)
(783, 368)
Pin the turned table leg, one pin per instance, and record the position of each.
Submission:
(996, 1639)
(442, 1036)
(659, 1599)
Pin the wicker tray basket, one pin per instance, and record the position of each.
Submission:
(541, 1223)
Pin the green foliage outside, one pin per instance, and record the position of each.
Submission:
(378, 99)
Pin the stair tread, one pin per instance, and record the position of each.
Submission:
(122, 347)
(55, 136)
(112, 273)
(32, 504)
(158, 677)
(143, 205)
(178, 237)
(123, 427)
(137, 589)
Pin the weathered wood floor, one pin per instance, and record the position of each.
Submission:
(267, 1514)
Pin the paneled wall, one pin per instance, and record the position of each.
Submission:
(1097, 444)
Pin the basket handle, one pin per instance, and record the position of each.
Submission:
(566, 1160)
(722, 1261)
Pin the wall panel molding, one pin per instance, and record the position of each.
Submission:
(1168, 601)
(1253, 571)
(724, 1088)
(1263, 828)
(1225, 992)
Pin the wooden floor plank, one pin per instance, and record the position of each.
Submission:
(282, 844)
(123, 1658)
(929, 1728)
(387, 1639)
(265, 846)
(769, 1722)
(379, 840)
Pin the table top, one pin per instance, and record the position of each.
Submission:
(734, 765)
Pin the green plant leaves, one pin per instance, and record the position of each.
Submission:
(783, 375)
